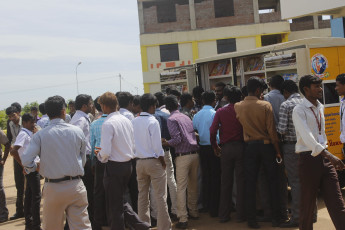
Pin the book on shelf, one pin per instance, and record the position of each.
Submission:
(173, 77)
(219, 68)
(253, 64)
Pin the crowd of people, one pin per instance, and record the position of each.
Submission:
(138, 162)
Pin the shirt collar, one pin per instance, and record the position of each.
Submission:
(174, 112)
(294, 96)
(82, 113)
(308, 104)
(124, 110)
(251, 98)
(45, 115)
(145, 114)
(29, 131)
(207, 107)
(274, 91)
(104, 115)
(56, 121)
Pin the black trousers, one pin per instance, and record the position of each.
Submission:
(88, 180)
(116, 178)
(99, 215)
(133, 186)
(19, 180)
(210, 170)
(32, 201)
(318, 173)
(255, 154)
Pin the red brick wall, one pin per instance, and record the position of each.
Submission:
(324, 23)
(270, 17)
(304, 23)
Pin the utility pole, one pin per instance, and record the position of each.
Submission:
(120, 82)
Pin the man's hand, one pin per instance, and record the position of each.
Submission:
(161, 159)
(335, 161)
(217, 151)
(165, 143)
(2, 162)
(197, 137)
(97, 150)
(279, 158)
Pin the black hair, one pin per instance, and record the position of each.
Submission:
(136, 100)
(175, 92)
(27, 117)
(82, 99)
(220, 84)
(71, 103)
(307, 81)
(341, 78)
(233, 93)
(160, 98)
(18, 106)
(171, 103)
(11, 109)
(42, 109)
(276, 82)
(97, 105)
(255, 83)
(33, 108)
(208, 97)
(167, 90)
(146, 101)
(290, 86)
(197, 91)
(54, 105)
(124, 98)
(185, 98)
(244, 91)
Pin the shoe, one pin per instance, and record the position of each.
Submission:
(224, 220)
(182, 225)
(275, 223)
(263, 219)
(3, 220)
(193, 217)
(17, 216)
(289, 224)
(153, 222)
(253, 225)
(173, 217)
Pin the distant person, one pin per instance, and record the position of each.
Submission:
(32, 202)
(99, 112)
(3, 208)
(84, 104)
(317, 166)
(117, 152)
(71, 107)
(176, 93)
(126, 104)
(161, 104)
(44, 119)
(61, 148)
(275, 96)
(197, 92)
(136, 105)
(244, 91)
(34, 112)
(15, 126)
(219, 95)
(187, 104)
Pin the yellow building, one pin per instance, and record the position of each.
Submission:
(174, 33)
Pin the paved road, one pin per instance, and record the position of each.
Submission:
(205, 222)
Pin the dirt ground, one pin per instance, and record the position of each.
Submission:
(204, 223)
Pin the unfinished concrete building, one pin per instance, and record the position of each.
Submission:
(175, 33)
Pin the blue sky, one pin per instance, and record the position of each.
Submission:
(41, 42)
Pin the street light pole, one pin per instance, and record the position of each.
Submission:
(76, 77)
(120, 81)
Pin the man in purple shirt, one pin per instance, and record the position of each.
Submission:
(231, 154)
(184, 141)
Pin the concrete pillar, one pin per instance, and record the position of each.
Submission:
(141, 17)
(316, 22)
(192, 15)
(256, 11)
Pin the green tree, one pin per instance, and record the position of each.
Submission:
(27, 106)
(3, 120)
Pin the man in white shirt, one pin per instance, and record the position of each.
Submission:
(84, 105)
(126, 104)
(44, 119)
(150, 163)
(117, 152)
(317, 166)
(340, 88)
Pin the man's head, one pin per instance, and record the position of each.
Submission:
(219, 90)
(244, 91)
(55, 107)
(208, 98)
(18, 106)
(171, 103)
(84, 103)
(160, 98)
(97, 105)
(311, 87)
(71, 107)
(148, 103)
(340, 84)
(232, 94)
(28, 121)
(197, 92)
(186, 101)
(256, 86)
(125, 100)
(42, 109)
(108, 102)
(288, 88)
(13, 114)
(34, 111)
(176, 93)
(276, 82)
(136, 104)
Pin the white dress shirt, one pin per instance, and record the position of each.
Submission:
(117, 142)
(23, 141)
(307, 128)
(43, 121)
(82, 120)
(127, 114)
(147, 136)
(342, 120)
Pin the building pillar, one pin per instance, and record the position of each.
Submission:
(316, 22)
(141, 17)
(338, 27)
(192, 15)
(256, 11)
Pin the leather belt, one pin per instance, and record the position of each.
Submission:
(149, 158)
(184, 154)
(62, 179)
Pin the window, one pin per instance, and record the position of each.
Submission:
(223, 8)
(267, 40)
(166, 12)
(169, 52)
(330, 95)
(226, 45)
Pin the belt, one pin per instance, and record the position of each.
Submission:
(62, 179)
(290, 142)
(307, 153)
(148, 158)
(184, 154)
(265, 142)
